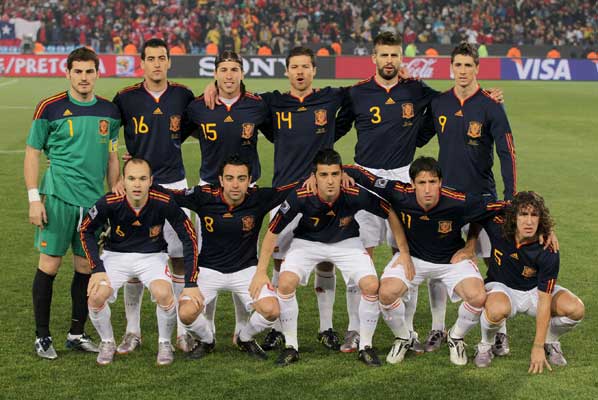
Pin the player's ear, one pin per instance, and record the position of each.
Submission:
(286, 72)
(151, 180)
(221, 180)
(315, 71)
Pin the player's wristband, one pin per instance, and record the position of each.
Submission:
(33, 195)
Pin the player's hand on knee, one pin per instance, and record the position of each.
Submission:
(407, 263)
(257, 283)
(192, 294)
(347, 181)
(550, 242)
(538, 360)
(96, 281)
(37, 214)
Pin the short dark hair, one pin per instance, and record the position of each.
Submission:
(136, 160)
(466, 49)
(301, 51)
(82, 54)
(234, 159)
(327, 157)
(387, 39)
(154, 43)
(228, 55)
(424, 164)
(521, 201)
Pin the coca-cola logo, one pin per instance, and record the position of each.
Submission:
(421, 67)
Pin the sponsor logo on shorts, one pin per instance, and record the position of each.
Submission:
(44, 243)
(475, 129)
(155, 231)
(445, 226)
(248, 223)
(175, 123)
(247, 132)
(103, 126)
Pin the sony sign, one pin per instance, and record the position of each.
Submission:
(252, 66)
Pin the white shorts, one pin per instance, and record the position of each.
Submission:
(210, 282)
(349, 256)
(175, 246)
(373, 230)
(483, 245)
(147, 267)
(449, 274)
(522, 302)
(285, 237)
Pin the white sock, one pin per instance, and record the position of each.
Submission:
(133, 297)
(369, 310)
(558, 327)
(256, 324)
(178, 284)
(410, 307)
(438, 296)
(489, 329)
(289, 313)
(353, 295)
(241, 314)
(394, 316)
(210, 313)
(166, 321)
(201, 329)
(503, 328)
(325, 287)
(101, 321)
(469, 316)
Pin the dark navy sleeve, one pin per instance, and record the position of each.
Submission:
(505, 148)
(548, 270)
(374, 204)
(479, 208)
(186, 233)
(267, 128)
(286, 213)
(381, 186)
(118, 104)
(191, 198)
(95, 219)
(427, 131)
(345, 116)
(271, 197)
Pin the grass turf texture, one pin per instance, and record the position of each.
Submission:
(554, 126)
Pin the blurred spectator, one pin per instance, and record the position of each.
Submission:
(553, 53)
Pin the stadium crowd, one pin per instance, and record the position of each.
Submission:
(273, 27)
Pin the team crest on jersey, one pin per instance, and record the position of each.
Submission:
(475, 129)
(445, 226)
(155, 230)
(528, 272)
(103, 126)
(247, 132)
(345, 221)
(408, 110)
(248, 223)
(321, 117)
(175, 123)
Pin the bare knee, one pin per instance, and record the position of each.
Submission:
(497, 307)
(188, 311)
(268, 308)
(99, 297)
(82, 265)
(390, 290)
(477, 299)
(49, 264)
(162, 291)
(369, 285)
(287, 283)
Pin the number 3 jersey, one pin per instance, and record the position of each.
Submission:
(154, 127)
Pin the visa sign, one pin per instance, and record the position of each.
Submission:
(537, 69)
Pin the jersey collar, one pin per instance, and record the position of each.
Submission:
(462, 102)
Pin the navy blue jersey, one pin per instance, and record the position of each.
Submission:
(139, 231)
(300, 128)
(229, 234)
(467, 132)
(327, 222)
(520, 266)
(433, 235)
(228, 130)
(391, 122)
(154, 127)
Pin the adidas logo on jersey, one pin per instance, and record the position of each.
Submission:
(515, 256)
(157, 111)
(136, 223)
(459, 113)
(302, 109)
(228, 119)
(390, 101)
(331, 213)
(67, 113)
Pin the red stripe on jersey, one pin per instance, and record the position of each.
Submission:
(274, 222)
(404, 187)
(49, 100)
(193, 236)
(509, 137)
(385, 206)
(253, 96)
(452, 194)
(363, 81)
(82, 230)
(129, 88)
(178, 84)
(285, 187)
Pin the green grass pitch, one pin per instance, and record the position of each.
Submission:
(554, 126)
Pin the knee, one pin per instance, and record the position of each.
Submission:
(477, 298)
(287, 283)
(577, 310)
(268, 308)
(162, 292)
(496, 313)
(188, 312)
(388, 293)
(369, 286)
(97, 300)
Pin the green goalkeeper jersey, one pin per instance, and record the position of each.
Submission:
(76, 137)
